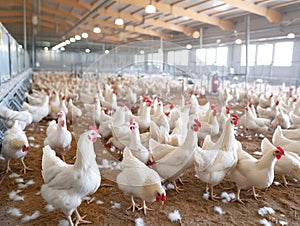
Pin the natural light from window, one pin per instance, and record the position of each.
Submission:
(264, 54)
(251, 58)
(283, 54)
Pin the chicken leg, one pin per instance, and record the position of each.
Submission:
(144, 207)
(238, 199)
(25, 167)
(133, 205)
(254, 194)
(79, 219)
(211, 194)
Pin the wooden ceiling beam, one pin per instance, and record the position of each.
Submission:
(223, 24)
(153, 22)
(272, 15)
(74, 3)
(130, 28)
(158, 23)
(60, 12)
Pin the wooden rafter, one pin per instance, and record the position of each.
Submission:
(153, 22)
(223, 24)
(272, 15)
(74, 3)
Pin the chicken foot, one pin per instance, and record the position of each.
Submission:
(177, 189)
(238, 199)
(133, 205)
(211, 194)
(144, 207)
(25, 167)
(254, 194)
(80, 219)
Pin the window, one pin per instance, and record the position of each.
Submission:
(181, 57)
(221, 57)
(283, 54)
(200, 56)
(264, 54)
(210, 56)
(251, 56)
(170, 58)
(139, 58)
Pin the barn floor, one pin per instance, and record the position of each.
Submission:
(109, 206)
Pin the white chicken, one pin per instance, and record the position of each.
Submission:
(213, 164)
(10, 116)
(173, 164)
(74, 112)
(38, 111)
(15, 146)
(59, 137)
(293, 134)
(145, 118)
(281, 119)
(138, 180)
(135, 145)
(255, 173)
(254, 124)
(287, 144)
(211, 127)
(268, 113)
(289, 164)
(65, 184)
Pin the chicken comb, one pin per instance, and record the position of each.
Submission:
(163, 197)
(212, 107)
(197, 122)
(94, 128)
(277, 102)
(235, 116)
(171, 105)
(295, 99)
(279, 148)
(250, 104)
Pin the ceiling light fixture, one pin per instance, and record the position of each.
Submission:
(62, 49)
(106, 51)
(119, 21)
(238, 41)
(150, 8)
(67, 42)
(72, 39)
(97, 30)
(188, 46)
(46, 48)
(291, 35)
(84, 35)
(87, 50)
(77, 37)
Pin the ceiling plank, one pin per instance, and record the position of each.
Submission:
(186, 30)
(272, 15)
(170, 26)
(73, 3)
(131, 28)
(223, 24)
(148, 32)
(59, 12)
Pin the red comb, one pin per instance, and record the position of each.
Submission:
(94, 128)
(235, 116)
(163, 197)
(212, 107)
(228, 108)
(277, 102)
(197, 122)
(250, 104)
(279, 148)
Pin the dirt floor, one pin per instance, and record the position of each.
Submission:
(110, 204)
